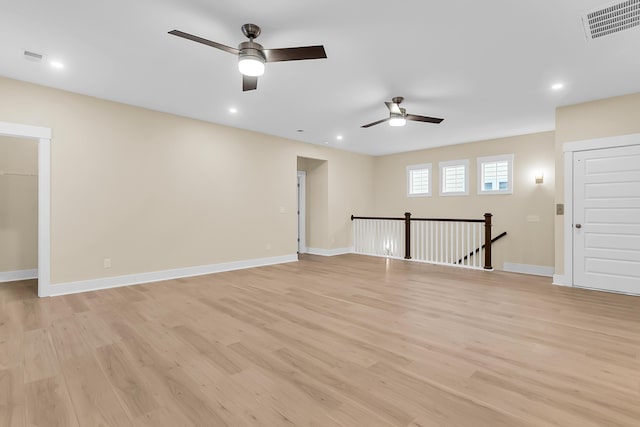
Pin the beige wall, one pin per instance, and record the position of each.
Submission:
(590, 120)
(18, 204)
(351, 187)
(527, 242)
(153, 191)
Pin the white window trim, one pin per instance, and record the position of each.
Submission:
(490, 159)
(442, 165)
(427, 166)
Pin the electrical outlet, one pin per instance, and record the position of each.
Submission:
(106, 263)
(282, 209)
(268, 246)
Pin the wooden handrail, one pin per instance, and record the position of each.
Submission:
(418, 219)
(472, 253)
(377, 217)
(447, 219)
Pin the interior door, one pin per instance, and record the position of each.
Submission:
(606, 222)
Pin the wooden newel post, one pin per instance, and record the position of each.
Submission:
(407, 235)
(487, 241)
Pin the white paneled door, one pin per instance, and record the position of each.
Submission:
(606, 222)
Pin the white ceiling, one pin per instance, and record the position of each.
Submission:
(485, 66)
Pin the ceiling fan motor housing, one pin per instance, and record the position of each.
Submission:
(251, 48)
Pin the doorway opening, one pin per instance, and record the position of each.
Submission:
(43, 138)
(313, 199)
(18, 209)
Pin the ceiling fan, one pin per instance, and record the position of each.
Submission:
(398, 116)
(252, 56)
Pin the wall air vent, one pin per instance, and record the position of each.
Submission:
(32, 56)
(611, 19)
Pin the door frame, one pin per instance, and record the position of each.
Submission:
(43, 136)
(301, 181)
(569, 149)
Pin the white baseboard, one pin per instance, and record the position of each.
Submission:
(561, 280)
(536, 270)
(13, 276)
(157, 276)
(329, 252)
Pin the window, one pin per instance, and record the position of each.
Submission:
(419, 180)
(495, 174)
(454, 178)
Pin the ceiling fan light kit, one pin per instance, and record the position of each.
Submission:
(251, 66)
(397, 120)
(251, 59)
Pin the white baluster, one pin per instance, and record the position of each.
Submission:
(432, 227)
(457, 243)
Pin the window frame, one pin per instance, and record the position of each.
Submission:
(449, 163)
(492, 159)
(422, 166)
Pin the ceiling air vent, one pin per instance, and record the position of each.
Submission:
(32, 56)
(611, 19)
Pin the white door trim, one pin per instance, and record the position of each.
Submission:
(302, 212)
(43, 136)
(568, 149)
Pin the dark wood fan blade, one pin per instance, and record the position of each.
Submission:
(415, 118)
(393, 107)
(249, 83)
(295, 53)
(204, 41)
(375, 123)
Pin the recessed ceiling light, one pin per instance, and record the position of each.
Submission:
(56, 64)
(339, 137)
(557, 86)
(233, 110)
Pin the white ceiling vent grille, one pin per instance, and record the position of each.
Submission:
(611, 19)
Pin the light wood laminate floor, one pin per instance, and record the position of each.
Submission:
(341, 341)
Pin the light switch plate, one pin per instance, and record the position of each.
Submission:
(560, 209)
